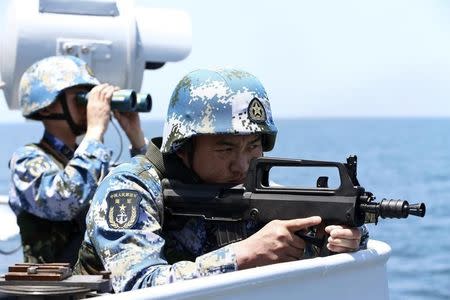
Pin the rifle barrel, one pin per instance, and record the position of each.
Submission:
(394, 208)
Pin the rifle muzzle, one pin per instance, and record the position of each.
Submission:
(417, 209)
(394, 208)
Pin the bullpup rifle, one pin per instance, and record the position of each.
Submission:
(349, 204)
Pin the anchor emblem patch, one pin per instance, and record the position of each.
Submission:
(123, 209)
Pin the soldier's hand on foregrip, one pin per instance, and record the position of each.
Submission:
(274, 243)
(98, 110)
(343, 238)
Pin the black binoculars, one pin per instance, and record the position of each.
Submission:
(124, 100)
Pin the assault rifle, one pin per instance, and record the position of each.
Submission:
(349, 204)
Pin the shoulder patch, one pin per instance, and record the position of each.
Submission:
(37, 166)
(123, 209)
(256, 111)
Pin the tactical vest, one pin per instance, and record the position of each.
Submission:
(46, 241)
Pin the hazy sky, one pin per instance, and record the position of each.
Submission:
(322, 58)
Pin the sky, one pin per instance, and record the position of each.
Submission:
(320, 59)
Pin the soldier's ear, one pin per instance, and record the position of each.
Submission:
(186, 152)
(182, 153)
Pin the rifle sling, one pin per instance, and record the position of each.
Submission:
(154, 155)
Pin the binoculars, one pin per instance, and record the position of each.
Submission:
(124, 100)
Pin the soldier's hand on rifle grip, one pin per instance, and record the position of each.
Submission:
(317, 237)
(343, 238)
(274, 243)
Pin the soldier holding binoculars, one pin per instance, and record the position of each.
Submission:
(52, 181)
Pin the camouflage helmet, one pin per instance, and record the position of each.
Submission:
(223, 101)
(44, 80)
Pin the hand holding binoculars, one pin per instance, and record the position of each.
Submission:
(124, 100)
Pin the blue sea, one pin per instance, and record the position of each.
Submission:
(397, 158)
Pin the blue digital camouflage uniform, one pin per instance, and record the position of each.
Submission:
(50, 184)
(51, 200)
(43, 188)
(126, 224)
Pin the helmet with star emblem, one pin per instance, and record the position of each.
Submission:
(44, 80)
(222, 101)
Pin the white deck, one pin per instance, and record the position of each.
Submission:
(342, 276)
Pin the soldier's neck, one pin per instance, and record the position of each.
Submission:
(62, 132)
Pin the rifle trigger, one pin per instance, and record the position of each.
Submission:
(318, 242)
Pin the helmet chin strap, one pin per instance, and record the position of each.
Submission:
(76, 129)
(66, 116)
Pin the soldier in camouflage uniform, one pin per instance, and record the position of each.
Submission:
(217, 122)
(53, 181)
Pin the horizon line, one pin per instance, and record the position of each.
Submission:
(21, 120)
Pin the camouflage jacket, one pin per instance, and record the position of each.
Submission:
(50, 193)
(126, 226)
